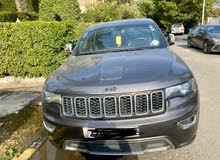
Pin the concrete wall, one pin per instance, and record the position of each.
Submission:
(84, 3)
(215, 20)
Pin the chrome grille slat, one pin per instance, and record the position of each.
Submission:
(81, 106)
(157, 102)
(125, 105)
(141, 104)
(68, 106)
(95, 109)
(110, 106)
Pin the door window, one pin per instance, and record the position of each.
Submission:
(195, 31)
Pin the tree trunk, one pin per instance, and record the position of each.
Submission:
(21, 5)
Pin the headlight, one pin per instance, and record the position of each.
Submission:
(216, 40)
(51, 97)
(182, 90)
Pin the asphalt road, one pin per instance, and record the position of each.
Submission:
(207, 144)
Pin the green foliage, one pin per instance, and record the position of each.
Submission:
(59, 10)
(167, 12)
(22, 16)
(129, 10)
(33, 5)
(147, 8)
(27, 16)
(8, 16)
(7, 5)
(104, 12)
(9, 155)
(35, 49)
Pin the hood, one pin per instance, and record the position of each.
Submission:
(125, 71)
(214, 35)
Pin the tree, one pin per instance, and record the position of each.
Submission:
(59, 10)
(129, 10)
(107, 11)
(102, 12)
(147, 8)
(167, 12)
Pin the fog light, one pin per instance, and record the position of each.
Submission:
(74, 146)
(158, 145)
(187, 123)
(51, 128)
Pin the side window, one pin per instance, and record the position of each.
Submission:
(87, 43)
(195, 31)
(202, 28)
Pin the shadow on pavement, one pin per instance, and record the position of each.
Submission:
(49, 152)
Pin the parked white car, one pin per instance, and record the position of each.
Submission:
(177, 28)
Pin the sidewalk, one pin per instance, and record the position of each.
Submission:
(19, 84)
(17, 93)
(20, 114)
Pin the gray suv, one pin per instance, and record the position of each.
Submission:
(121, 92)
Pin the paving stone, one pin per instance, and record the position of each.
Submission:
(12, 102)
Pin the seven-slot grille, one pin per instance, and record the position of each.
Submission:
(112, 106)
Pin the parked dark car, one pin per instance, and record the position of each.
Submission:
(121, 92)
(206, 37)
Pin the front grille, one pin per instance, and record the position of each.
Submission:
(114, 106)
(141, 105)
(125, 106)
(80, 104)
(95, 107)
(110, 106)
(157, 102)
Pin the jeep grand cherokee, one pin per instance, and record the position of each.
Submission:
(122, 91)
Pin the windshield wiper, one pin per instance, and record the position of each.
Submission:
(115, 50)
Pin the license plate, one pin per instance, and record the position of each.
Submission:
(109, 133)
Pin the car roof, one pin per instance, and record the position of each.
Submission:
(120, 22)
(211, 25)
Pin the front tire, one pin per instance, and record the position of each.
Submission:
(189, 43)
(206, 47)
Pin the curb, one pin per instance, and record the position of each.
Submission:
(11, 79)
(33, 147)
(26, 154)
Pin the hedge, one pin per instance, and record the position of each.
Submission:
(59, 10)
(33, 5)
(22, 16)
(7, 5)
(35, 49)
(104, 12)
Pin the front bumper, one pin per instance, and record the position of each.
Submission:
(159, 132)
(177, 32)
(215, 47)
(120, 147)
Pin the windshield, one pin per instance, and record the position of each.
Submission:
(119, 38)
(213, 29)
(177, 25)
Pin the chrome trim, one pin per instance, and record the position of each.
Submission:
(86, 107)
(169, 145)
(63, 107)
(135, 104)
(163, 99)
(118, 113)
(188, 125)
(119, 105)
(104, 106)
(100, 105)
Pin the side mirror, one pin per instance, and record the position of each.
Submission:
(69, 48)
(165, 34)
(202, 32)
(190, 30)
(171, 39)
